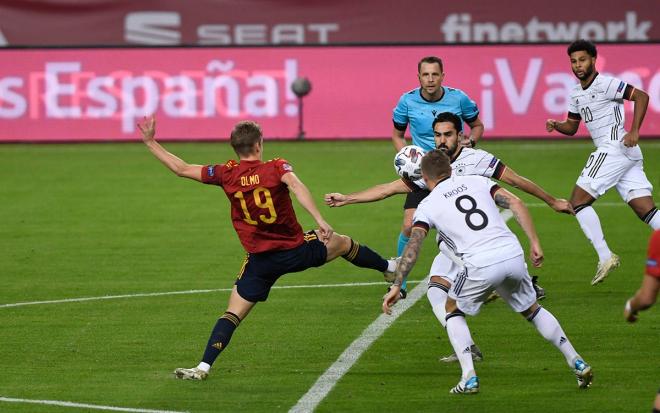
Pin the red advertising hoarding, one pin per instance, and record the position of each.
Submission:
(100, 94)
(257, 22)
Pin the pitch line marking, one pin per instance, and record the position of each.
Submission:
(595, 204)
(324, 384)
(84, 405)
(350, 356)
(114, 297)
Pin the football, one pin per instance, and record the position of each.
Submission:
(408, 162)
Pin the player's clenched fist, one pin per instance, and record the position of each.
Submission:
(335, 199)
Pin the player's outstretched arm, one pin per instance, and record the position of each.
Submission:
(408, 260)
(567, 127)
(506, 199)
(510, 177)
(641, 100)
(375, 193)
(174, 163)
(307, 201)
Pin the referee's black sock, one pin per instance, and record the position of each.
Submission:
(365, 257)
(220, 336)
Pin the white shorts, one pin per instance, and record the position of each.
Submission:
(605, 170)
(509, 278)
(444, 267)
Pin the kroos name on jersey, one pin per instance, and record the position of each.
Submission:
(456, 191)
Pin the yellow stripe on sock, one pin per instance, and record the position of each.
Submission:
(231, 317)
(354, 251)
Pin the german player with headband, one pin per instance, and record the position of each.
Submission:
(264, 219)
(617, 161)
(418, 108)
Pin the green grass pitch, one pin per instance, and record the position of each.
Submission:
(93, 220)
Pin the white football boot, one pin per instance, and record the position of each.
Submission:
(583, 374)
(190, 374)
(466, 386)
(604, 269)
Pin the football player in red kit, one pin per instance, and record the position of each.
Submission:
(647, 294)
(264, 219)
(645, 297)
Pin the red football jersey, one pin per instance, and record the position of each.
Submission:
(653, 261)
(261, 209)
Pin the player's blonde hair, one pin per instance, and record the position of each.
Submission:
(244, 136)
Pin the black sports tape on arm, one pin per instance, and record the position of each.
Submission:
(627, 94)
(399, 126)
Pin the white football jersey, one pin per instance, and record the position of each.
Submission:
(462, 210)
(471, 161)
(600, 107)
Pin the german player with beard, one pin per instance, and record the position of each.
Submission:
(417, 108)
(464, 161)
(464, 212)
(617, 161)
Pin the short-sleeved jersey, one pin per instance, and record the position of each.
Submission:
(470, 161)
(653, 260)
(413, 109)
(261, 208)
(600, 107)
(462, 210)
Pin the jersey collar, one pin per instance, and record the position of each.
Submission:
(250, 162)
(441, 181)
(432, 101)
(458, 153)
(590, 83)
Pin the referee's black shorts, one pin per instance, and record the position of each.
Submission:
(415, 197)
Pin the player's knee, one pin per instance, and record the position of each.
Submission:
(579, 207)
(454, 313)
(343, 243)
(531, 312)
(438, 282)
(451, 307)
(648, 215)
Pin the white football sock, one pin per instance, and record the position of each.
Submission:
(459, 336)
(654, 222)
(204, 366)
(590, 225)
(391, 265)
(438, 298)
(550, 329)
